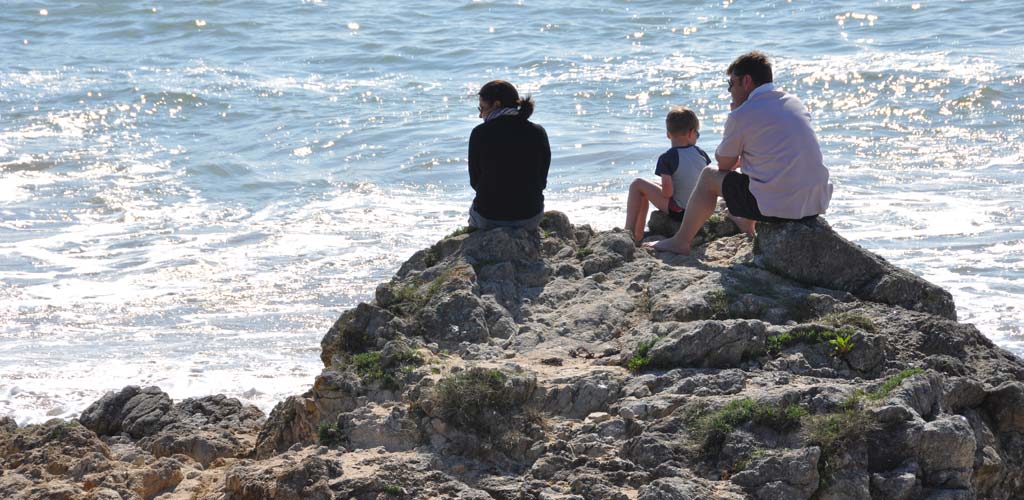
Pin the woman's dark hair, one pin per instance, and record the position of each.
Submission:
(500, 90)
(754, 64)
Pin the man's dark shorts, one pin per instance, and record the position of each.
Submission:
(741, 203)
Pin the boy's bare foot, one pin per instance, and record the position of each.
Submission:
(669, 245)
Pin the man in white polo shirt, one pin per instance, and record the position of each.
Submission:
(768, 136)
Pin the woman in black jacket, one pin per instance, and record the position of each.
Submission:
(509, 158)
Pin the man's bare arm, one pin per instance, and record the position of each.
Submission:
(727, 163)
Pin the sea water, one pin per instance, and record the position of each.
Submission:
(192, 192)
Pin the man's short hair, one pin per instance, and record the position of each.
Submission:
(753, 63)
(680, 119)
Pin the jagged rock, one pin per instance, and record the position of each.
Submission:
(294, 420)
(922, 393)
(787, 475)
(674, 488)
(138, 412)
(709, 344)
(357, 330)
(946, 453)
(848, 477)
(811, 252)
(66, 460)
(283, 480)
(162, 476)
(456, 317)
(8, 425)
(55, 447)
(579, 397)
(595, 486)
(374, 426)
(724, 382)
(894, 485)
(1006, 405)
(608, 250)
(206, 429)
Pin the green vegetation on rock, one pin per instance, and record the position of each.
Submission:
(842, 344)
(416, 293)
(476, 400)
(328, 434)
(718, 301)
(892, 383)
(712, 428)
(835, 433)
(776, 343)
(639, 361)
(460, 231)
(838, 320)
(370, 367)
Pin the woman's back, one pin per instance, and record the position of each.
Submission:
(508, 167)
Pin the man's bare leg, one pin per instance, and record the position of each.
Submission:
(700, 207)
(745, 225)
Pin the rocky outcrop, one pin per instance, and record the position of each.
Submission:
(567, 363)
(66, 460)
(203, 429)
(811, 252)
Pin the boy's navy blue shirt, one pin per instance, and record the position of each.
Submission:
(509, 159)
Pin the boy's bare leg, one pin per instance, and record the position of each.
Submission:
(633, 201)
(700, 207)
(640, 192)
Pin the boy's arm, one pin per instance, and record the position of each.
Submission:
(666, 186)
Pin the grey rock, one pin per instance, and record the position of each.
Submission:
(946, 452)
(729, 381)
(708, 344)
(787, 475)
(357, 330)
(961, 393)
(294, 420)
(849, 478)
(811, 252)
(457, 317)
(948, 494)
(8, 425)
(373, 426)
(1006, 406)
(502, 244)
(608, 251)
(138, 412)
(674, 488)
(894, 485)
(920, 392)
(307, 479)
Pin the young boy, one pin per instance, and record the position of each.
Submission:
(679, 169)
